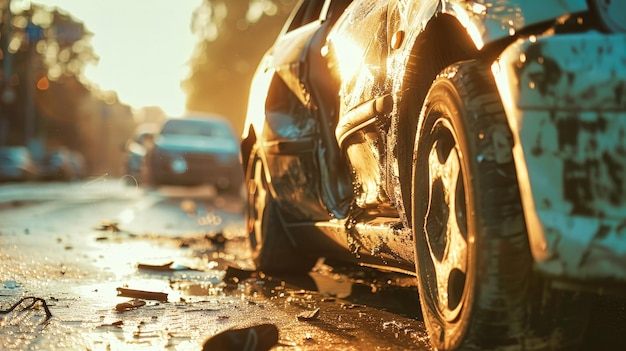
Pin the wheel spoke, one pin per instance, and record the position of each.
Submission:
(446, 240)
(257, 193)
(456, 253)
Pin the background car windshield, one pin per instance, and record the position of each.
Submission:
(202, 128)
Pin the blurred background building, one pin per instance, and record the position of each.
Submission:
(45, 102)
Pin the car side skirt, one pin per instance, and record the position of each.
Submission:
(377, 242)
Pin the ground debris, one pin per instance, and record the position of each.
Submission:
(234, 274)
(108, 225)
(29, 305)
(142, 294)
(129, 305)
(397, 327)
(117, 324)
(260, 337)
(166, 267)
(11, 284)
(303, 301)
(309, 315)
(350, 306)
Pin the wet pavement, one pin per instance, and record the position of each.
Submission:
(120, 267)
(101, 265)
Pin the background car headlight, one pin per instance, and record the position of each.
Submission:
(179, 165)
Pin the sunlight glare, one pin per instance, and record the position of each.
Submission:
(349, 55)
(143, 52)
(256, 102)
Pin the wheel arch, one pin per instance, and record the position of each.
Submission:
(445, 41)
(252, 152)
(247, 145)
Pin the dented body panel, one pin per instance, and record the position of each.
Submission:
(382, 136)
(374, 43)
(565, 98)
(563, 95)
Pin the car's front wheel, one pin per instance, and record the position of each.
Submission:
(475, 278)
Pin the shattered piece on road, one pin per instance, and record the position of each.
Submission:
(142, 294)
(255, 338)
(107, 225)
(167, 267)
(117, 324)
(11, 284)
(309, 315)
(237, 274)
(129, 305)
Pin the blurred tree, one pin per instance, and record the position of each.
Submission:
(233, 36)
(44, 53)
(65, 52)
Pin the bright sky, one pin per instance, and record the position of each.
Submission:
(143, 47)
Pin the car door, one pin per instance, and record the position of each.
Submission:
(292, 138)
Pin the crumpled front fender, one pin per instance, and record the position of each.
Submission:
(565, 99)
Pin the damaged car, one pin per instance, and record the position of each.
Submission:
(478, 145)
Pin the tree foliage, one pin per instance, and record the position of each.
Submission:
(233, 36)
(43, 55)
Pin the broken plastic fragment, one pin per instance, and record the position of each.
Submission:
(129, 305)
(10, 284)
(256, 338)
(151, 267)
(166, 267)
(107, 225)
(142, 294)
(239, 274)
(309, 315)
(117, 324)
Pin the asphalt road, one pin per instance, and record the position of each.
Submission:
(87, 250)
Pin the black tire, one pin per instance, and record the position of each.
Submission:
(147, 171)
(233, 187)
(477, 287)
(272, 250)
(152, 178)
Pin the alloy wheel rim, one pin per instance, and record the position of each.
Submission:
(254, 198)
(445, 225)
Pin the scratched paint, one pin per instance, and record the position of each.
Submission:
(567, 109)
(564, 103)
